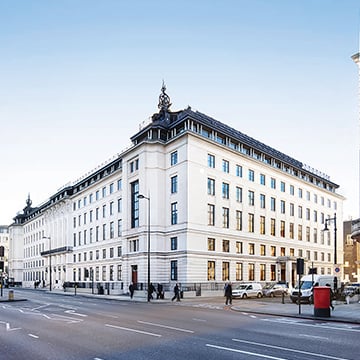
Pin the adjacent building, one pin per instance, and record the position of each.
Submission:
(223, 206)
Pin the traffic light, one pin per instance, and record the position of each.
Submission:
(2, 251)
(1, 266)
(300, 266)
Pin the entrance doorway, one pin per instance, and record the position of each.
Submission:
(134, 275)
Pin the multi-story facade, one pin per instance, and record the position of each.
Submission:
(351, 255)
(224, 206)
(4, 252)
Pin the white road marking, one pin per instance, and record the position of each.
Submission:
(34, 336)
(72, 312)
(70, 320)
(301, 322)
(245, 352)
(9, 329)
(289, 350)
(203, 320)
(314, 337)
(133, 330)
(165, 326)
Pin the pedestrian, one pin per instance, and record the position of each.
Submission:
(228, 294)
(176, 293)
(331, 297)
(159, 292)
(131, 290)
(151, 289)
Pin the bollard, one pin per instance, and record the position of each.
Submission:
(11, 295)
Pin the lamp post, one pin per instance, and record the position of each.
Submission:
(335, 234)
(148, 245)
(49, 238)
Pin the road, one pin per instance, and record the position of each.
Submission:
(49, 326)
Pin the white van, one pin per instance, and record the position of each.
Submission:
(306, 286)
(246, 290)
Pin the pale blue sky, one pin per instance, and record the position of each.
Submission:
(78, 77)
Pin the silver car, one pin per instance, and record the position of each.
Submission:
(274, 289)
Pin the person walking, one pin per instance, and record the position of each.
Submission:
(131, 290)
(176, 293)
(331, 297)
(228, 294)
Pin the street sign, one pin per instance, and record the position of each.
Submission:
(337, 270)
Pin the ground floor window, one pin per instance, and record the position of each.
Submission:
(211, 270)
(174, 270)
(239, 271)
(225, 271)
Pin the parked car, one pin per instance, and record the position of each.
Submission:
(274, 289)
(246, 290)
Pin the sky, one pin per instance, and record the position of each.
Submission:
(77, 78)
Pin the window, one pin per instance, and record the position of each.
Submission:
(225, 191)
(315, 216)
(111, 269)
(300, 212)
(282, 186)
(97, 233)
(225, 270)
(119, 184)
(273, 250)
(239, 247)
(251, 223)
(238, 220)
(300, 193)
(211, 244)
(272, 204)
(211, 161)
(211, 270)
(262, 201)
(225, 213)
(104, 254)
(291, 230)
(226, 246)
(262, 250)
(111, 188)
(238, 170)
(251, 175)
(134, 245)
(134, 165)
(211, 214)
(292, 190)
(103, 273)
(119, 251)
(74, 222)
(315, 236)
(174, 184)
(104, 211)
(173, 243)
(238, 194)
(104, 231)
(292, 209)
(239, 272)
(174, 158)
(273, 272)
(103, 192)
(119, 205)
(307, 233)
(119, 227)
(251, 272)
(251, 249)
(97, 213)
(91, 215)
(262, 225)
(251, 196)
(211, 186)
(308, 195)
(307, 213)
(299, 232)
(272, 227)
(111, 208)
(112, 230)
(262, 272)
(282, 228)
(273, 183)
(174, 270)
(282, 206)
(262, 179)
(174, 213)
(225, 166)
(135, 204)
(97, 195)
(282, 251)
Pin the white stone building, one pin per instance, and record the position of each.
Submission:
(223, 205)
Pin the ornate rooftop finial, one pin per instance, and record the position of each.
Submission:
(28, 201)
(164, 100)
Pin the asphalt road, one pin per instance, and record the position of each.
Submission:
(50, 326)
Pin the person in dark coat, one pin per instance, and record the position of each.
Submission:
(228, 293)
(176, 293)
(131, 290)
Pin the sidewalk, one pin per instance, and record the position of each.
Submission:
(349, 313)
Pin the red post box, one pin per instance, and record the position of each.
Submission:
(322, 300)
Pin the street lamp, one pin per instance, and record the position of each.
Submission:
(335, 233)
(148, 245)
(49, 238)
